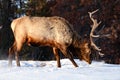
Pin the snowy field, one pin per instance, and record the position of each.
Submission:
(47, 70)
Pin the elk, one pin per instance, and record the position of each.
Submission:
(55, 32)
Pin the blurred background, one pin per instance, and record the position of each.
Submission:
(76, 12)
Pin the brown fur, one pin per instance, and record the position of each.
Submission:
(55, 32)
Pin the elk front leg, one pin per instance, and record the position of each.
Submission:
(57, 56)
(71, 58)
(67, 53)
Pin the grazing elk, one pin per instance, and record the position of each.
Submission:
(55, 32)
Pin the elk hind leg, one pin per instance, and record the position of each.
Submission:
(17, 52)
(11, 52)
(10, 57)
(17, 58)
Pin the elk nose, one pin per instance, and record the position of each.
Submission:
(89, 62)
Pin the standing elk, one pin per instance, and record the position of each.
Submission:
(55, 32)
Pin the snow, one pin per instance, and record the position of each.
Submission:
(47, 70)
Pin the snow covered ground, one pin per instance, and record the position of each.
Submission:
(47, 70)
